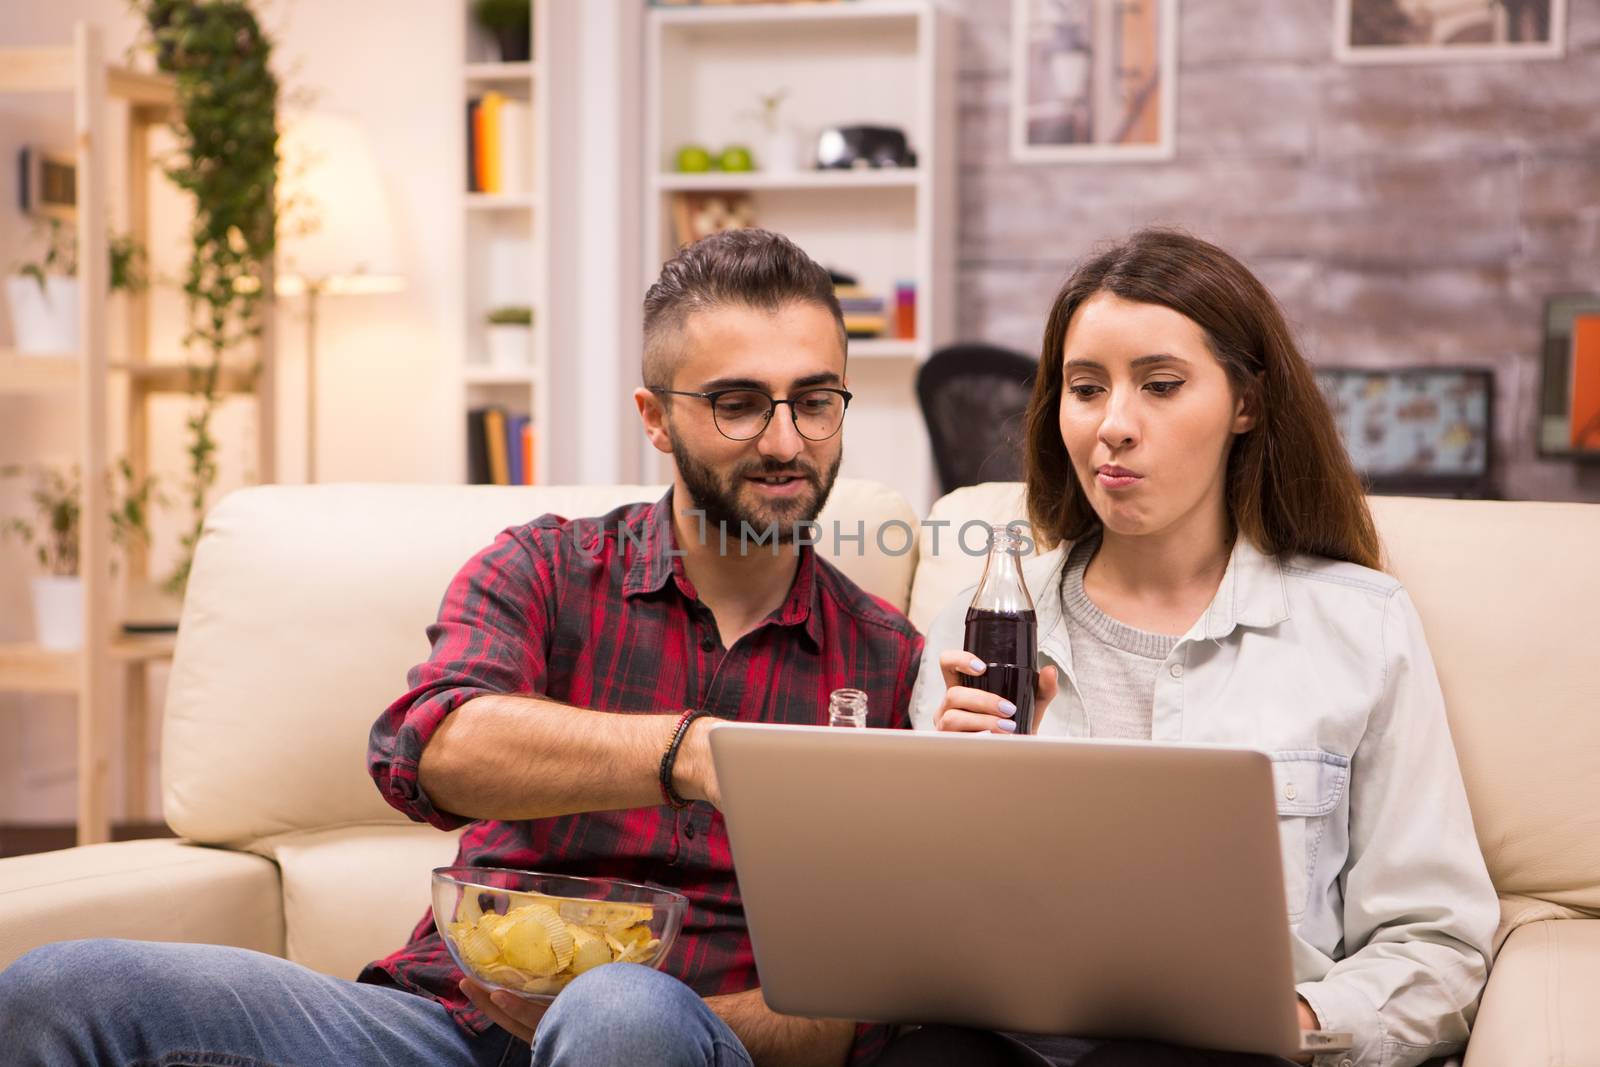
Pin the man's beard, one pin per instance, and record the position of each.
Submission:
(717, 497)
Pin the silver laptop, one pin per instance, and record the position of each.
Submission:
(1041, 885)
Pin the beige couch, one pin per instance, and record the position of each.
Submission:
(308, 604)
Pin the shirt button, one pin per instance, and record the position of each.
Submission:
(1176, 670)
(688, 831)
(708, 644)
(1290, 792)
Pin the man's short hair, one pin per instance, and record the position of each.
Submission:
(753, 268)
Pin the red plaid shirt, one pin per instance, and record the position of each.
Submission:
(598, 613)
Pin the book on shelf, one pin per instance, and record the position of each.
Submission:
(501, 447)
(477, 448)
(494, 428)
(499, 144)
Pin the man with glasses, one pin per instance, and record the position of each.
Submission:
(562, 717)
(711, 606)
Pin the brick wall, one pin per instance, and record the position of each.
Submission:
(1401, 214)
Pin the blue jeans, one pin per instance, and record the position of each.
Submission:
(143, 1004)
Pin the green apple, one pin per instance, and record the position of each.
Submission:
(736, 157)
(693, 159)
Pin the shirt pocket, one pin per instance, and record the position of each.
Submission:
(1309, 785)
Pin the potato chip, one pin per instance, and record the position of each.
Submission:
(589, 950)
(606, 915)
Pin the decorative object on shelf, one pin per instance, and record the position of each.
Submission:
(697, 215)
(697, 159)
(54, 533)
(855, 147)
(1092, 80)
(905, 310)
(227, 158)
(1432, 31)
(342, 242)
(1426, 431)
(736, 159)
(693, 159)
(510, 336)
(510, 22)
(47, 183)
(1569, 393)
(43, 294)
(781, 146)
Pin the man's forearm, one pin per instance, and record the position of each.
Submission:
(509, 758)
(775, 1040)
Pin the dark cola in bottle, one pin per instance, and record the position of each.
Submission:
(1002, 630)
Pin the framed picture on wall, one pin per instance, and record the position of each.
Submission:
(1092, 80)
(1413, 31)
(1569, 386)
(1415, 430)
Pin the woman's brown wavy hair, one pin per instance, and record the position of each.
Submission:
(1290, 485)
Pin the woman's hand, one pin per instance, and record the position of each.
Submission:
(968, 710)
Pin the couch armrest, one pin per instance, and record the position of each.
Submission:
(1539, 1005)
(162, 890)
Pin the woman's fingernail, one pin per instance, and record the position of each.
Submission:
(1007, 725)
(1007, 708)
(977, 666)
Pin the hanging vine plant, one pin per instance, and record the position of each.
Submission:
(227, 157)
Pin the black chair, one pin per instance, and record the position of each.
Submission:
(973, 399)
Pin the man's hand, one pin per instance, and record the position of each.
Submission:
(506, 1010)
(774, 1040)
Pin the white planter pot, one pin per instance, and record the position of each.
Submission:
(58, 613)
(45, 321)
(510, 346)
(782, 152)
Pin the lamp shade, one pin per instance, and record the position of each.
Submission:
(336, 229)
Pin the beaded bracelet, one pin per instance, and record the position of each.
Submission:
(670, 756)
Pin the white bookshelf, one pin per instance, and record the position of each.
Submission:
(876, 62)
(504, 250)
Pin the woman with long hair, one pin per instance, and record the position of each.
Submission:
(1213, 574)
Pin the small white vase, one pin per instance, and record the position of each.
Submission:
(58, 613)
(44, 321)
(781, 152)
(510, 346)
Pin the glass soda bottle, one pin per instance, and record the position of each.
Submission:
(847, 707)
(1002, 630)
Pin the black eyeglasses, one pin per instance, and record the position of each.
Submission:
(743, 414)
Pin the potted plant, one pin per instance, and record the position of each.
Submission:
(509, 22)
(781, 148)
(53, 534)
(226, 156)
(43, 293)
(510, 336)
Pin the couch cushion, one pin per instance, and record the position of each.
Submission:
(161, 890)
(1509, 595)
(307, 606)
(1539, 1007)
(353, 894)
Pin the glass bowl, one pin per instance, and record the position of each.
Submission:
(531, 934)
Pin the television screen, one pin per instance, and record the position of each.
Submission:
(1415, 429)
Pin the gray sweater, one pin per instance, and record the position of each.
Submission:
(1115, 664)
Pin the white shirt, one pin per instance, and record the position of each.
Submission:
(1323, 665)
